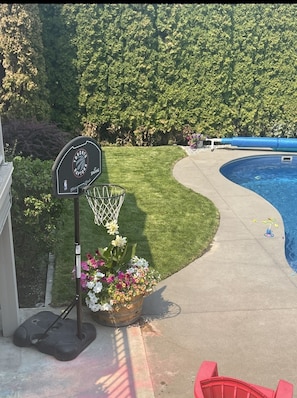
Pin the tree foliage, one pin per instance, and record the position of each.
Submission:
(58, 35)
(141, 74)
(23, 91)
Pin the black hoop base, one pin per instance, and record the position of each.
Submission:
(61, 340)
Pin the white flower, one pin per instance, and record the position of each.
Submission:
(105, 307)
(131, 270)
(119, 241)
(90, 284)
(94, 307)
(139, 262)
(112, 228)
(98, 287)
(92, 298)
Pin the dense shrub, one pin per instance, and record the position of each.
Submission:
(35, 213)
(40, 140)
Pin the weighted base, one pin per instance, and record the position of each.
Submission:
(60, 340)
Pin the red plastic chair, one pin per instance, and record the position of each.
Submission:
(208, 384)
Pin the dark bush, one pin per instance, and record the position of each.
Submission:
(40, 140)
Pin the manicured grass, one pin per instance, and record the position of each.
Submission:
(171, 224)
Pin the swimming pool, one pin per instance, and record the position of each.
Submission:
(274, 177)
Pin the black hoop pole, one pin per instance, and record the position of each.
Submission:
(77, 268)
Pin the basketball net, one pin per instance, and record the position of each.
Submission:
(105, 201)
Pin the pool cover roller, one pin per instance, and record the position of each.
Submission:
(276, 143)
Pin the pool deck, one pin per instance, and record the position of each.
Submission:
(236, 305)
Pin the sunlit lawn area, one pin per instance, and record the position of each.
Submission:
(171, 224)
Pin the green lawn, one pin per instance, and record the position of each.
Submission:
(171, 224)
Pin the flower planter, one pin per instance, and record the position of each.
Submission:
(121, 317)
(110, 279)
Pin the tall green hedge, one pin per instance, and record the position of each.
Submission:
(138, 74)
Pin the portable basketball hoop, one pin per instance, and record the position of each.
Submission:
(77, 166)
(105, 201)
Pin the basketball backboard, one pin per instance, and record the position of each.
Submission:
(78, 165)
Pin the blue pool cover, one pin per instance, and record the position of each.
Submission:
(276, 143)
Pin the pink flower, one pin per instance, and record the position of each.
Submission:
(92, 262)
(110, 279)
(85, 266)
(83, 280)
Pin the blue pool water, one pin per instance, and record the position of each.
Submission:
(274, 177)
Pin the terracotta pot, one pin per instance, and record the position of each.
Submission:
(122, 317)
